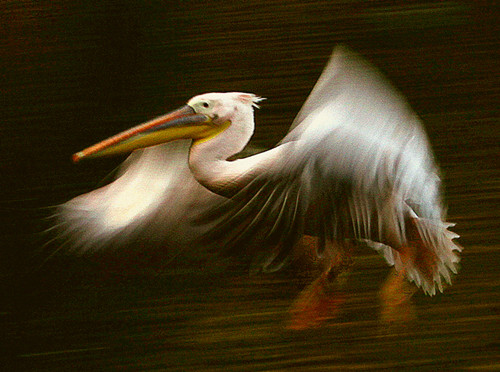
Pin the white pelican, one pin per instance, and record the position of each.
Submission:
(356, 165)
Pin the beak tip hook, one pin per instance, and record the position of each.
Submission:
(77, 157)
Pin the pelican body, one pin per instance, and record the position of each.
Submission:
(356, 165)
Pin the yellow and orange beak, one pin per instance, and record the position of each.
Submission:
(181, 123)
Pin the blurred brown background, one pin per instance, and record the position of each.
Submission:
(75, 72)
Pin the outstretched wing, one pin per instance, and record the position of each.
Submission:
(355, 164)
(154, 197)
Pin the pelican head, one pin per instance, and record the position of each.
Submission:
(222, 107)
(202, 118)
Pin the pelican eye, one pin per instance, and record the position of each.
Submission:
(205, 104)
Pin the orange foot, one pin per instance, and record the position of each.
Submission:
(395, 299)
(316, 304)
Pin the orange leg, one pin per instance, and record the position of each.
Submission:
(396, 299)
(396, 293)
(321, 299)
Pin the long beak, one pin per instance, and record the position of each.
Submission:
(178, 124)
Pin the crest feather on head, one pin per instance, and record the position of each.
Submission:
(250, 98)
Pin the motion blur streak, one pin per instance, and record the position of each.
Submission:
(76, 72)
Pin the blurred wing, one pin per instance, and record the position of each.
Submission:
(155, 198)
(360, 128)
(356, 164)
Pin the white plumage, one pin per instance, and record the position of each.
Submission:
(356, 164)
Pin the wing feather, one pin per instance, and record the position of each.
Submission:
(154, 197)
(357, 165)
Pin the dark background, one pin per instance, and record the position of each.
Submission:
(75, 72)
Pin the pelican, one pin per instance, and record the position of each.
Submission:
(355, 166)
